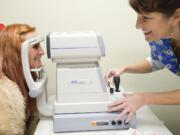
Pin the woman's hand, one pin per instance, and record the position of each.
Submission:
(113, 72)
(129, 104)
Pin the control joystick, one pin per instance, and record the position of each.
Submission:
(116, 80)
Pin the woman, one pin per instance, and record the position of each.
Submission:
(159, 20)
(18, 112)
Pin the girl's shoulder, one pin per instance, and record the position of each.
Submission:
(12, 108)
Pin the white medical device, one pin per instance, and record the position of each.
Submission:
(81, 94)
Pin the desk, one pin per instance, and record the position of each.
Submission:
(146, 121)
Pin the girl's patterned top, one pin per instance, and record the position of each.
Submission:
(161, 51)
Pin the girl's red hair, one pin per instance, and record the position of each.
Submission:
(11, 38)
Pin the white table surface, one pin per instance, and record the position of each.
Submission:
(146, 121)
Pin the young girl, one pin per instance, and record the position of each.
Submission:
(18, 111)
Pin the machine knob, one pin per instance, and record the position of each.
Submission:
(119, 122)
(113, 122)
(111, 90)
(116, 80)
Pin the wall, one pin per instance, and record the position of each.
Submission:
(115, 20)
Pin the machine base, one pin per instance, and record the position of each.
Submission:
(90, 121)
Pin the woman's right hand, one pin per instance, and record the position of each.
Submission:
(113, 72)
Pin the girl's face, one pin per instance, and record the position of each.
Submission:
(35, 53)
(154, 26)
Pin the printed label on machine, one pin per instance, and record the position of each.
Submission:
(80, 82)
(99, 123)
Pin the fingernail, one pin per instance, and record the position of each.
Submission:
(126, 121)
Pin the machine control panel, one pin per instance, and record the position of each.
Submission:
(95, 121)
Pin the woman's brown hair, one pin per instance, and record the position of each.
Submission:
(166, 7)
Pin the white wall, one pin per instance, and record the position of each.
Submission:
(115, 20)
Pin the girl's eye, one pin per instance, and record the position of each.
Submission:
(36, 46)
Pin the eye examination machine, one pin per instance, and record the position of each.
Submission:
(81, 96)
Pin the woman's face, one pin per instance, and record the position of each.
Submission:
(35, 53)
(154, 26)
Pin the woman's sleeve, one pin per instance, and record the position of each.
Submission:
(155, 65)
